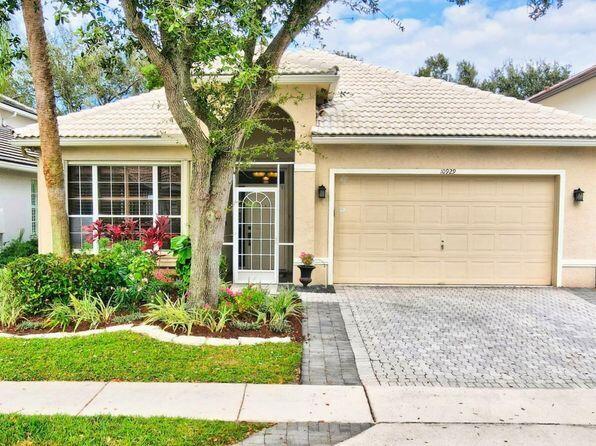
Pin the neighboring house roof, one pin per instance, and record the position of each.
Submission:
(368, 101)
(11, 155)
(11, 104)
(572, 81)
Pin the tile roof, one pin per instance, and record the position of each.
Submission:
(371, 100)
(368, 100)
(9, 153)
(571, 81)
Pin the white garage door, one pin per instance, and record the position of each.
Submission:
(394, 229)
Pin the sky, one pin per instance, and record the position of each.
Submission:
(485, 32)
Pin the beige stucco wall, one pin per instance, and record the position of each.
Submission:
(579, 164)
(580, 99)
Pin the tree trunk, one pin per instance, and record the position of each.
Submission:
(208, 202)
(51, 155)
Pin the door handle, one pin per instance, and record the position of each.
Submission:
(442, 245)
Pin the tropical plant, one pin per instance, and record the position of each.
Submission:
(59, 315)
(282, 307)
(17, 248)
(180, 247)
(154, 237)
(12, 308)
(172, 313)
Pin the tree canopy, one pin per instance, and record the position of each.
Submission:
(518, 81)
(83, 77)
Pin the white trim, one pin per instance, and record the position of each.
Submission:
(316, 261)
(307, 167)
(456, 140)
(560, 174)
(254, 276)
(18, 111)
(579, 263)
(17, 167)
(101, 141)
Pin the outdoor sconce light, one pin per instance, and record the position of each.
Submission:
(578, 195)
(322, 191)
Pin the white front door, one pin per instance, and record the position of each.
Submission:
(255, 235)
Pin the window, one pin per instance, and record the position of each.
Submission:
(114, 193)
(33, 207)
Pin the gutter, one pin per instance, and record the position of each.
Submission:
(455, 140)
(17, 111)
(99, 141)
(17, 167)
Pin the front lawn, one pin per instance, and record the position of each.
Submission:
(133, 357)
(122, 431)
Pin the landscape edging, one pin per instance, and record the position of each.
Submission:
(154, 332)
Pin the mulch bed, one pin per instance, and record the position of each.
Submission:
(228, 332)
(233, 333)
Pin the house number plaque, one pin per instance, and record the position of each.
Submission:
(448, 171)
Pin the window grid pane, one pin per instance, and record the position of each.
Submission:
(123, 192)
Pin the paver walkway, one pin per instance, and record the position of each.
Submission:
(305, 434)
(327, 357)
(470, 337)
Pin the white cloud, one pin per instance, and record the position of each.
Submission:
(476, 33)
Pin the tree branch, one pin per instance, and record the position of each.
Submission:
(302, 12)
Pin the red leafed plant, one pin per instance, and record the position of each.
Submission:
(154, 237)
(95, 230)
(114, 233)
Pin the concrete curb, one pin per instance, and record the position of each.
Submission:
(155, 332)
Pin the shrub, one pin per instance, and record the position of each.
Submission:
(17, 248)
(180, 247)
(249, 299)
(119, 274)
(11, 305)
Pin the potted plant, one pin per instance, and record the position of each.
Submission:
(306, 268)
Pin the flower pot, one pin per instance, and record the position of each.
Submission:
(305, 274)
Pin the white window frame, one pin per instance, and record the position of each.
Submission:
(559, 202)
(154, 164)
(34, 207)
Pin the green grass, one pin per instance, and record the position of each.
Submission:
(134, 357)
(61, 430)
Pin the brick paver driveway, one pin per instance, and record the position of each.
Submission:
(472, 337)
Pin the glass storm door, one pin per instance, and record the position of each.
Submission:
(255, 235)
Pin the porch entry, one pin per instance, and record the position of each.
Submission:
(259, 224)
(256, 234)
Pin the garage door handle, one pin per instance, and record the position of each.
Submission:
(442, 245)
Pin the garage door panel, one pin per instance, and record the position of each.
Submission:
(429, 214)
(495, 230)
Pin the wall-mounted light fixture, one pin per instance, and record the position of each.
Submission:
(322, 191)
(578, 195)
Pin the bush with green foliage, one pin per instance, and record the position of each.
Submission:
(180, 247)
(122, 274)
(17, 248)
(12, 307)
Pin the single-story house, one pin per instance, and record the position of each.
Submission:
(576, 94)
(18, 175)
(414, 181)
